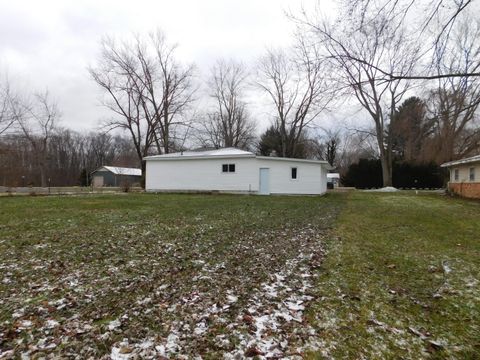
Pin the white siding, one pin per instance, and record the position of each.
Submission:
(464, 173)
(311, 178)
(201, 175)
(206, 175)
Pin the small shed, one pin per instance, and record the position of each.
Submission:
(235, 171)
(465, 177)
(333, 180)
(115, 176)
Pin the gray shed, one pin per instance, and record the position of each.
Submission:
(115, 176)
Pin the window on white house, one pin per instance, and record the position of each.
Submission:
(228, 168)
(472, 174)
(456, 175)
(294, 172)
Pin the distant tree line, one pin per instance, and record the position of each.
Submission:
(67, 160)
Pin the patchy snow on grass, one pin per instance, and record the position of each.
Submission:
(181, 289)
(384, 189)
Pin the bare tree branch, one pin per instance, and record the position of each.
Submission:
(228, 124)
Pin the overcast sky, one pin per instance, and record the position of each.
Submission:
(49, 44)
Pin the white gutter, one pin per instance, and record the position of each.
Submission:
(462, 161)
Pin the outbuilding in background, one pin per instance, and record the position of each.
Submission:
(116, 176)
(333, 180)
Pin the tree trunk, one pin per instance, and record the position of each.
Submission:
(386, 162)
(144, 168)
(43, 178)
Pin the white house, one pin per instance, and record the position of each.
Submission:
(236, 171)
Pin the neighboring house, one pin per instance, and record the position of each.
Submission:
(333, 180)
(234, 170)
(115, 176)
(465, 177)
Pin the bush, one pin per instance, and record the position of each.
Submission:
(416, 176)
(367, 174)
(126, 186)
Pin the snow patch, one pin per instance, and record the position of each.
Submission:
(384, 189)
(112, 325)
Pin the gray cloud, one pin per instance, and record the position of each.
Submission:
(51, 43)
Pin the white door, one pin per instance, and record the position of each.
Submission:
(97, 181)
(264, 181)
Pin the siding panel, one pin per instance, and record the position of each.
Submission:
(206, 175)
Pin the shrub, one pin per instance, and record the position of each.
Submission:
(367, 173)
(126, 186)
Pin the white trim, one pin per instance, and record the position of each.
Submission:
(204, 157)
(322, 162)
(199, 157)
(462, 161)
(226, 153)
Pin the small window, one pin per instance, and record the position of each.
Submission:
(228, 168)
(472, 174)
(294, 173)
(456, 175)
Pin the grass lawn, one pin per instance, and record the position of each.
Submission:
(358, 275)
(401, 280)
(159, 275)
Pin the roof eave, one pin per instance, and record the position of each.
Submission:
(461, 162)
(205, 157)
(320, 162)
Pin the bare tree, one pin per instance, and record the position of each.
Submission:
(6, 98)
(71, 157)
(358, 53)
(229, 124)
(332, 145)
(170, 91)
(297, 86)
(37, 119)
(354, 146)
(147, 89)
(454, 104)
(430, 22)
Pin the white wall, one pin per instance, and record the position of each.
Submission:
(464, 173)
(206, 175)
(201, 174)
(311, 178)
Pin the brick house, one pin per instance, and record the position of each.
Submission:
(465, 177)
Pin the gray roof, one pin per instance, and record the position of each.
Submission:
(462, 161)
(225, 153)
(122, 170)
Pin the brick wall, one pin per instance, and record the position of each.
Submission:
(469, 190)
